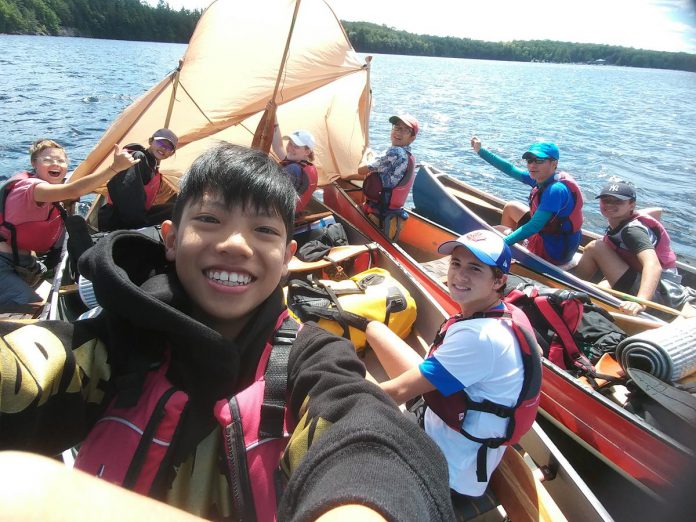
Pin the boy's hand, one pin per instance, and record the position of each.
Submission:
(367, 158)
(476, 144)
(122, 160)
(631, 307)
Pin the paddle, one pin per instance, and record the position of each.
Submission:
(644, 302)
(263, 137)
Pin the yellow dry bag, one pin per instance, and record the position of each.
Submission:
(345, 307)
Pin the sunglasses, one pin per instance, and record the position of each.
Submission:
(52, 161)
(538, 161)
(165, 145)
(402, 129)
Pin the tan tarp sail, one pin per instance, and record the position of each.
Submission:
(228, 74)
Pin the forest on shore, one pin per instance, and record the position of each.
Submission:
(133, 20)
(111, 19)
(372, 38)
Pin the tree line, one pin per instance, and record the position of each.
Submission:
(113, 19)
(132, 20)
(372, 38)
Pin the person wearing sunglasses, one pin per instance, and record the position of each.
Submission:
(132, 192)
(552, 222)
(32, 221)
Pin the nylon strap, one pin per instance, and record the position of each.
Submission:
(276, 377)
(561, 328)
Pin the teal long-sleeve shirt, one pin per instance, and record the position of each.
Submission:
(540, 217)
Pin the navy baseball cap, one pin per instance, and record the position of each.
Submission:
(166, 134)
(618, 189)
(542, 150)
(486, 245)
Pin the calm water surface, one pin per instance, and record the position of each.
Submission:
(639, 124)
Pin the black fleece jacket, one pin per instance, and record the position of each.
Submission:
(355, 445)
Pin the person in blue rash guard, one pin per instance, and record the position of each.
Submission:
(552, 222)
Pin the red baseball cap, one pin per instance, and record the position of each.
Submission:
(408, 120)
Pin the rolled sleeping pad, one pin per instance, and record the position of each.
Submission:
(668, 352)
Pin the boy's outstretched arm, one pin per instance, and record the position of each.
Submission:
(34, 488)
(46, 385)
(48, 193)
(498, 162)
(352, 445)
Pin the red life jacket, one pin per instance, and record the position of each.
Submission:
(38, 236)
(308, 182)
(151, 187)
(380, 200)
(557, 225)
(453, 408)
(133, 446)
(660, 237)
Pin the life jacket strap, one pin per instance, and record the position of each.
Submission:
(276, 377)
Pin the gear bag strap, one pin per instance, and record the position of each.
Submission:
(562, 330)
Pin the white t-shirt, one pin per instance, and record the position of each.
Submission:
(481, 356)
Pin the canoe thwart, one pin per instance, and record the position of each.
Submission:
(336, 255)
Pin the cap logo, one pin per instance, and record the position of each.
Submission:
(614, 188)
(477, 235)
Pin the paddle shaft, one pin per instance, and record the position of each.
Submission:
(644, 302)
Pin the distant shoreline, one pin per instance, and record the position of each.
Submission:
(134, 21)
(372, 38)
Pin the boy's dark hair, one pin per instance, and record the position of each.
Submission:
(498, 274)
(242, 177)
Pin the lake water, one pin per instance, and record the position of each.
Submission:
(638, 124)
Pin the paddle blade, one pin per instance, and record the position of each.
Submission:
(263, 137)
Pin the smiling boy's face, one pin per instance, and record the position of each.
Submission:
(229, 260)
(51, 165)
(472, 284)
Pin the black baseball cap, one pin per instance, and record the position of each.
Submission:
(618, 189)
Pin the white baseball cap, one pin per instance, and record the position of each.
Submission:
(486, 245)
(302, 138)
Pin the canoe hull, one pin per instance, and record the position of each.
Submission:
(625, 442)
(433, 201)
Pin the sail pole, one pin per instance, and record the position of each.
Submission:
(368, 107)
(263, 137)
(168, 118)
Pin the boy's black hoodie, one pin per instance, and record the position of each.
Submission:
(358, 447)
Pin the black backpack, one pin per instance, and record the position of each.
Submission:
(318, 247)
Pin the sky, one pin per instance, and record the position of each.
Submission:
(661, 25)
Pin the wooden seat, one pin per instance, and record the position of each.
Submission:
(335, 255)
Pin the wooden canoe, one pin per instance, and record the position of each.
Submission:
(645, 455)
(458, 206)
(521, 489)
